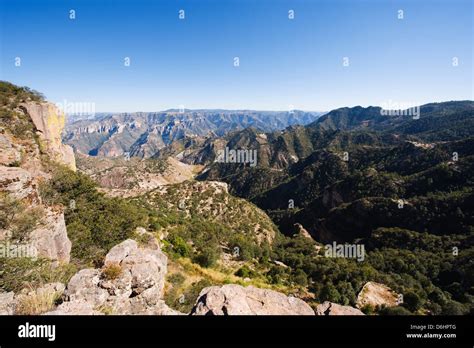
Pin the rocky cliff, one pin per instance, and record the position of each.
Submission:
(49, 122)
(30, 142)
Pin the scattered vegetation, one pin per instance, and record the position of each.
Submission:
(18, 218)
(21, 272)
(95, 222)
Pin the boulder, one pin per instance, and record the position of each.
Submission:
(234, 299)
(131, 282)
(329, 308)
(84, 287)
(376, 294)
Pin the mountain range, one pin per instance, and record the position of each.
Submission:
(142, 134)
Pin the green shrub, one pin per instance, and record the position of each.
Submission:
(183, 299)
(245, 272)
(176, 279)
(17, 273)
(207, 257)
(398, 310)
(180, 247)
(16, 217)
(411, 301)
(95, 222)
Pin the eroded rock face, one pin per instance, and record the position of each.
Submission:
(234, 299)
(9, 154)
(329, 308)
(17, 182)
(134, 287)
(49, 122)
(376, 294)
(50, 239)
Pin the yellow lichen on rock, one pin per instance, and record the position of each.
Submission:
(49, 122)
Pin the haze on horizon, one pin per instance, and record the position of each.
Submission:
(284, 63)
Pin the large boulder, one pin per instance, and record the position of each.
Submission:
(329, 308)
(234, 299)
(376, 294)
(131, 282)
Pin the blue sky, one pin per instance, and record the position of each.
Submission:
(283, 62)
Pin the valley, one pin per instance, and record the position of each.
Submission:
(396, 190)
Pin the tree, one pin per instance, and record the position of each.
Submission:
(411, 301)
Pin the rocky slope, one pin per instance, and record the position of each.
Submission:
(131, 282)
(395, 184)
(134, 176)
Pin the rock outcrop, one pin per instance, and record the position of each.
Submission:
(17, 182)
(375, 294)
(22, 169)
(301, 231)
(131, 282)
(49, 122)
(234, 299)
(9, 154)
(50, 240)
(329, 308)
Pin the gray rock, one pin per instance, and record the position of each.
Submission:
(17, 182)
(7, 303)
(234, 299)
(84, 287)
(50, 239)
(75, 308)
(9, 154)
(136, 289)
(329, 308)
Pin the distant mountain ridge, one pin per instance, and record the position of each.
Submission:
(142, 134)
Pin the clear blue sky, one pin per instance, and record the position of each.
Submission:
(282, 62)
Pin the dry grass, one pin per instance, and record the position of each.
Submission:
(111, 271)
(35, 303)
